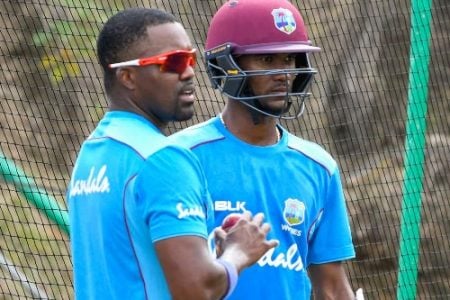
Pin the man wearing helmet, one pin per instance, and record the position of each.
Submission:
(257, 55)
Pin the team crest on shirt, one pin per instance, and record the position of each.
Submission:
(284, 20)
(294, 212)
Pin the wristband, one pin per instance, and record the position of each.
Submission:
(232, 276)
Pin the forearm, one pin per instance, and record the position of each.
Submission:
(330, 282)
(190, 270)
(336, 293)
(207, 288)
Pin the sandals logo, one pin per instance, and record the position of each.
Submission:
(294, 212)
(96, 182)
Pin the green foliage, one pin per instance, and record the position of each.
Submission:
(69, 40)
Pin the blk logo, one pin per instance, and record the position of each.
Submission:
(222, 205)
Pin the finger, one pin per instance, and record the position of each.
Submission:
(246, 215)
(219, 234)
(273, 243)
(266, 228)
(258, 219)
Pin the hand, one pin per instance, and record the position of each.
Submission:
(228, 222)
(246, 242)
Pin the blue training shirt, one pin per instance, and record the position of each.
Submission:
(125, 194)
(296, 184)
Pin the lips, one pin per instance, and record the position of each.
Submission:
(278, 91)
(187, 89)
(187, 93)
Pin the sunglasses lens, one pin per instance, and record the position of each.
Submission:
(178, 62)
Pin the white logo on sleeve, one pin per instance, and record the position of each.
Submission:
(95, 183)
(189, 211)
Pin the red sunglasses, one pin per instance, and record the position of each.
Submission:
(173, 61)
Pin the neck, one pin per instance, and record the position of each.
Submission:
(130, 106)
(262, 134)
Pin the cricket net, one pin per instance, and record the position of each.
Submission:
(380, 105)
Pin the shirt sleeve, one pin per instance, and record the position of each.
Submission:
(332, 240)
(172, 194)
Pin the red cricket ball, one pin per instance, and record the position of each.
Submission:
(230, 221)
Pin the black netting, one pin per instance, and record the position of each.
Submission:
(51, 97)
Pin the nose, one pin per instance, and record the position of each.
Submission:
(188, 73)
(283, 76)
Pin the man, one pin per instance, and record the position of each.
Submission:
(139, 209)
(257, 55)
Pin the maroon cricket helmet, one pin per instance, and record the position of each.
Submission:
(258, 27)
(245, 27)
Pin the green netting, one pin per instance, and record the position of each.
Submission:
(365, 110)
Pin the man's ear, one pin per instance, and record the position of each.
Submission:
(127, 77)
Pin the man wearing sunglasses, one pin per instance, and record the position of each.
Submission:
(257, 55)
(140, 212)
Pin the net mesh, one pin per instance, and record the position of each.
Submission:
(51, 97)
